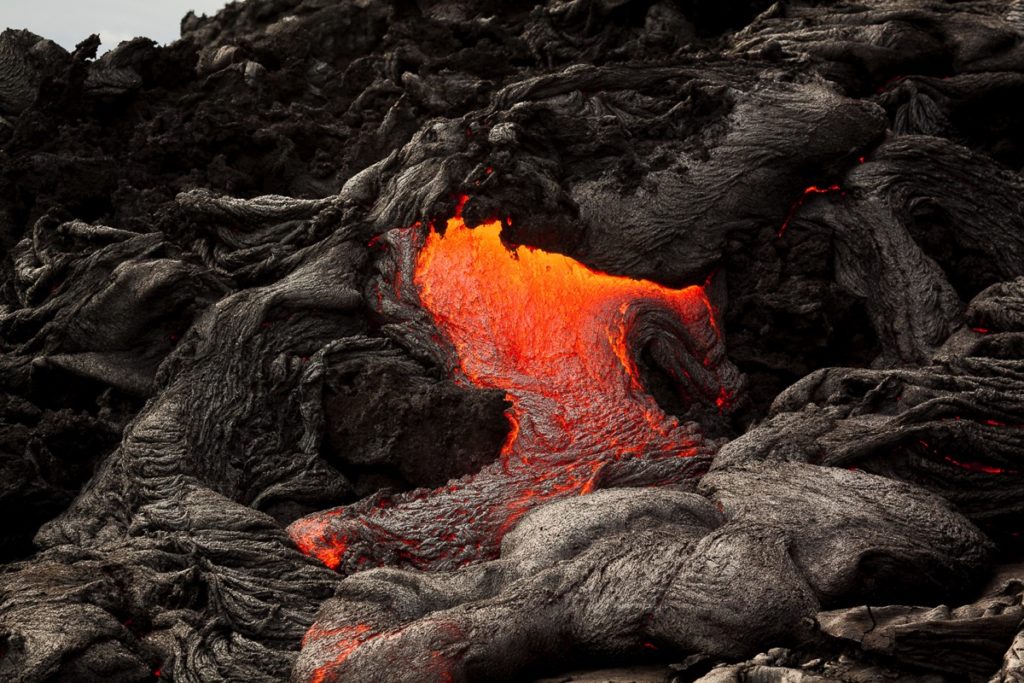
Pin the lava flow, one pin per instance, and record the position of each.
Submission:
(562, 340)
(554, 334)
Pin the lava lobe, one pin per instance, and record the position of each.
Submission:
(562, 340)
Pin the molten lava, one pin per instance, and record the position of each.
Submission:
(554, 335)
(562, 340)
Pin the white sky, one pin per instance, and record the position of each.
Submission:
(69, 22)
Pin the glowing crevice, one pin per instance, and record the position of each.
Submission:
(807, 193)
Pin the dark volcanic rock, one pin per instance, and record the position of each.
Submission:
(424, 435)
(213, 346)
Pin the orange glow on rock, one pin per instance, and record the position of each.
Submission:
(977, 467)
(808, 192)
(562, 341)
(306, 530)
(344, 641)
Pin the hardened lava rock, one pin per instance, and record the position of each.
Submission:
(730, 381)
(621, 571)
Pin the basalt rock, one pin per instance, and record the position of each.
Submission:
(450, 341)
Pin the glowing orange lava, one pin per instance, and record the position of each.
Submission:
(553, 334)
(561, 340)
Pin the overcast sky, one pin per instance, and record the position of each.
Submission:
(68, 22)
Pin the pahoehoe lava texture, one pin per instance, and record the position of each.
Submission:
(262, 421)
